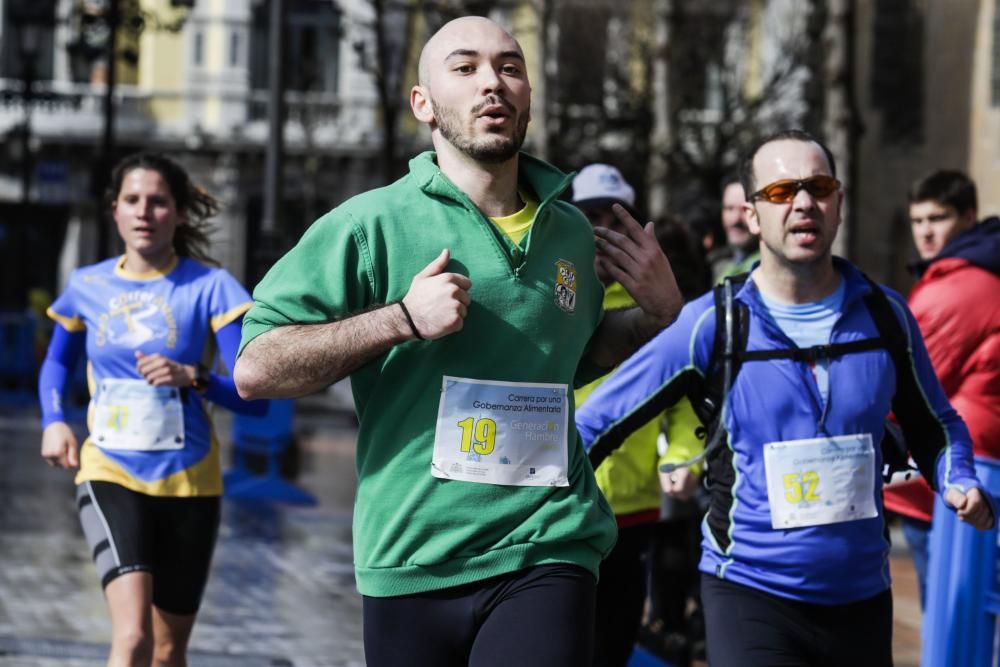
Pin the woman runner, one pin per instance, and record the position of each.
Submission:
(149, 480)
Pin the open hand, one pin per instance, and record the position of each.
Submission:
(635, 260)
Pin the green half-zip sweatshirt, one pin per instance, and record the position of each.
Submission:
(414, 532)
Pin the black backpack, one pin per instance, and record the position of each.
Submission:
(729, 353)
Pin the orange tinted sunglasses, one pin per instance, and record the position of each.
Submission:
(784, 191)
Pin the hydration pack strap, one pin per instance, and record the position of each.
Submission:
(816, 352)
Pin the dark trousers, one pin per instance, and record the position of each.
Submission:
(918, 539)
(750, 628)
(674, 578)
(621, 593)
(538, 617)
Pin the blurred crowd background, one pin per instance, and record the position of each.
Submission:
(285, 108)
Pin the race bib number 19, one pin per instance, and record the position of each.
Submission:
(511, 433)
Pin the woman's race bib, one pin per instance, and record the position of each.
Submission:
(133, 415)
(816, 481)
(511, 433)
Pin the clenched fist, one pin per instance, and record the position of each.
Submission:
(437, 301)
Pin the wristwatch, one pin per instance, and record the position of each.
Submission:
(201, 379)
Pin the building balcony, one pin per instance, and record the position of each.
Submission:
(67, 112)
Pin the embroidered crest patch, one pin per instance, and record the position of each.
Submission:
(566, 285)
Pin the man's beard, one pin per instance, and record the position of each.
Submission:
(491, 148)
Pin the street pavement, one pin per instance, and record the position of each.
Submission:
(281, 591)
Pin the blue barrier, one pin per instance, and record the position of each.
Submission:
(268, 436)
(963, 602)
(642, 658)
(17, 358)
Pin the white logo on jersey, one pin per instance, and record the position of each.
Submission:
(134, 318)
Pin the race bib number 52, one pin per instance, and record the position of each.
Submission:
(817, 481)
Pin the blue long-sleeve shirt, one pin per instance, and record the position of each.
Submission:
(67, 348)
(157, 443)
(778, 401)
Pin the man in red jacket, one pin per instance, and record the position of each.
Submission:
(957, 304)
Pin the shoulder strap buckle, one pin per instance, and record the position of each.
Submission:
(813, 354)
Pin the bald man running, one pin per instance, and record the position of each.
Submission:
(463, 302)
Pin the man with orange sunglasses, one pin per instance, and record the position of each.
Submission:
(794, 557)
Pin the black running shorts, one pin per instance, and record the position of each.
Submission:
(171, 538)
(542, 616)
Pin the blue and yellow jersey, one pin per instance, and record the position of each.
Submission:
(174, 312)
